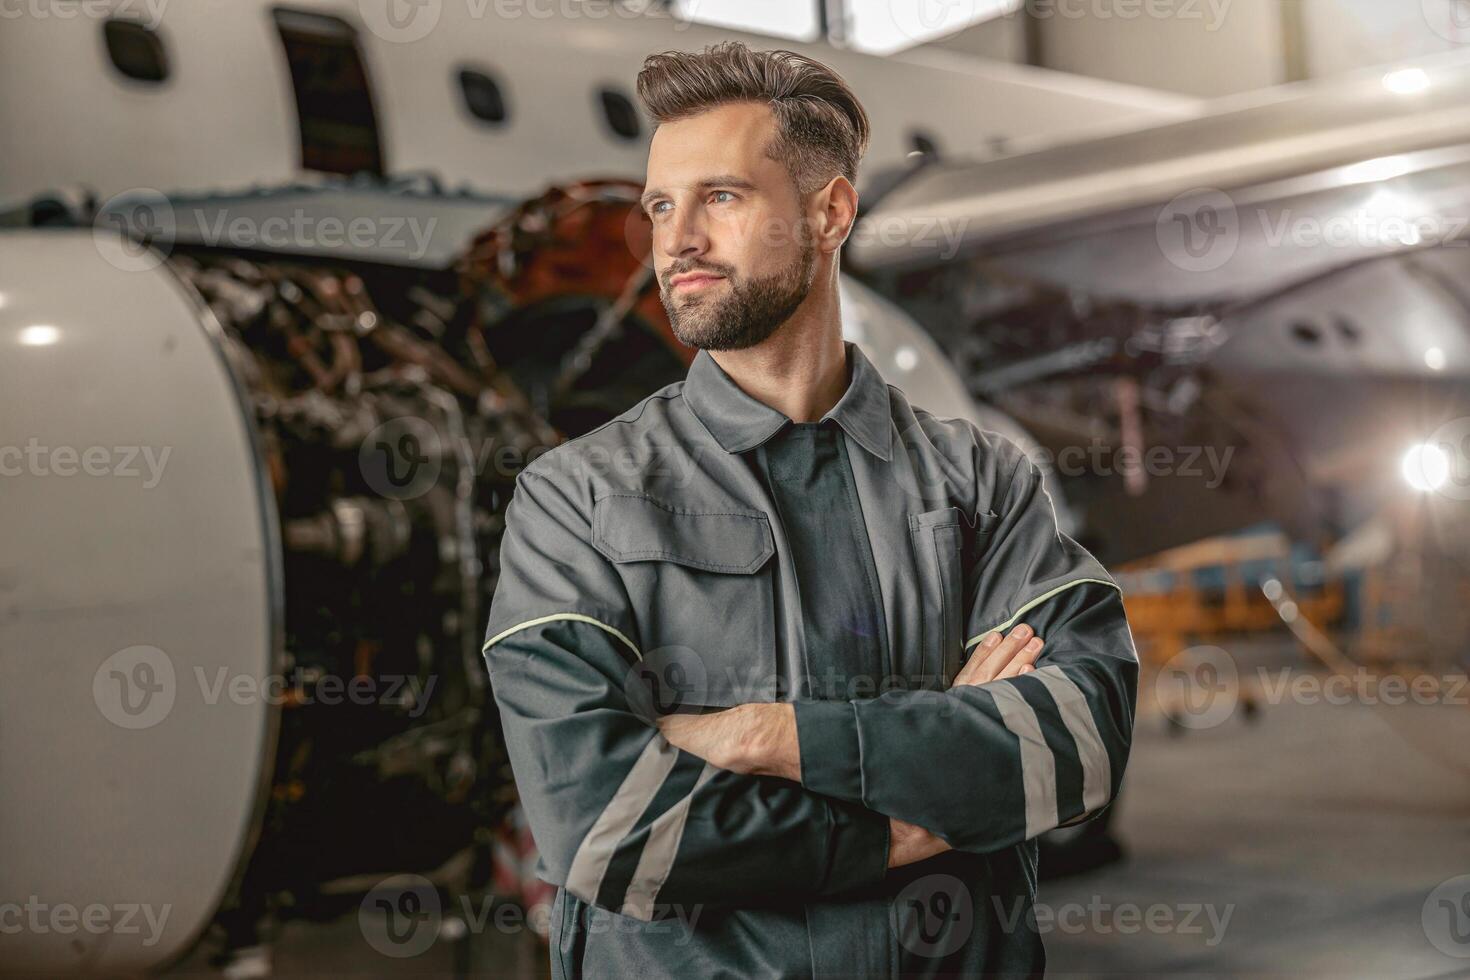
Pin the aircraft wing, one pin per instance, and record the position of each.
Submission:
(1219, 207)
(1279, 278)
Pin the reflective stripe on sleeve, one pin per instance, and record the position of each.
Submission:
(1077, 716)
(575, 617)
(618, 817)
(657, 859)
(1001, 628)
(1038, 765)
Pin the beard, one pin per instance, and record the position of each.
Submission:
(748, 312)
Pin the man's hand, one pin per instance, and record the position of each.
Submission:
(996, 658)
(752, 739)
(908, 843)
(760, 739)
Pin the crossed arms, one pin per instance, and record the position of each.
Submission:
(817, 798)
(761, 739)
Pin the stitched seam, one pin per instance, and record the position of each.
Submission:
(919, 560)
(945, 604)
(1036, 602)
(914, 523)
(561, 930)
(752, 515)
(1011, 483)
(863, 545)
(694, 562)
(656, 396)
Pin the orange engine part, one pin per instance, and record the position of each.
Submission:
(588, 237)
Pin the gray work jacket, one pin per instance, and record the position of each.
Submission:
(645, 569)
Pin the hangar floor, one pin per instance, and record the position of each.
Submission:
(1303, 843)
(1319, 823)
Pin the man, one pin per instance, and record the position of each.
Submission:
(757, 643)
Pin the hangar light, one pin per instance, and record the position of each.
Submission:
(1425, 467)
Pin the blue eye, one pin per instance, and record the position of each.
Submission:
(717, 193)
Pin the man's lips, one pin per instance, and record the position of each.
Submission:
(696, 280)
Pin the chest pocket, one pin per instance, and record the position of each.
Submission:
(948, 549)
(703, 588)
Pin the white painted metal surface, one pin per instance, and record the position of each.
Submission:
(138, 607)
(1364, 122)
(227, 119)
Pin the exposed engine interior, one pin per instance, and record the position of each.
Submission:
(395, 408)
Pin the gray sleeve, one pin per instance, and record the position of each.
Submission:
(1011, 759)
(623, 819)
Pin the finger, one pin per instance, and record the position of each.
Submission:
(988, 667)
(1025, 658)
(1006, 650)
(981, 666)
(970, 673)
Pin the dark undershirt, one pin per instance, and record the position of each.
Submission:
(805, 465)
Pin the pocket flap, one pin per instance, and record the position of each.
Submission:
(943, 517)
(630, 527)
(984, 521)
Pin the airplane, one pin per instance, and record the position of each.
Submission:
(1278, 278)
(252, 458)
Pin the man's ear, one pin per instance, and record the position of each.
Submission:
(834, 212)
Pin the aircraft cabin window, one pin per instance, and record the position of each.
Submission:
(1306, 333)
(334, 102)
(923, 144)
(621, 117)
(135, 50)
(482, 96)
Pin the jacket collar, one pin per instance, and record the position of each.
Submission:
(739, 422)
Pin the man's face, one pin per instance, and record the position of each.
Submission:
(727, 223)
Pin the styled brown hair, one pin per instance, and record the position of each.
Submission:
(821, 127)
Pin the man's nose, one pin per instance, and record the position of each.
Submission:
(686, 235)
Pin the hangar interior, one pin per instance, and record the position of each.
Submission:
(290, 293)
